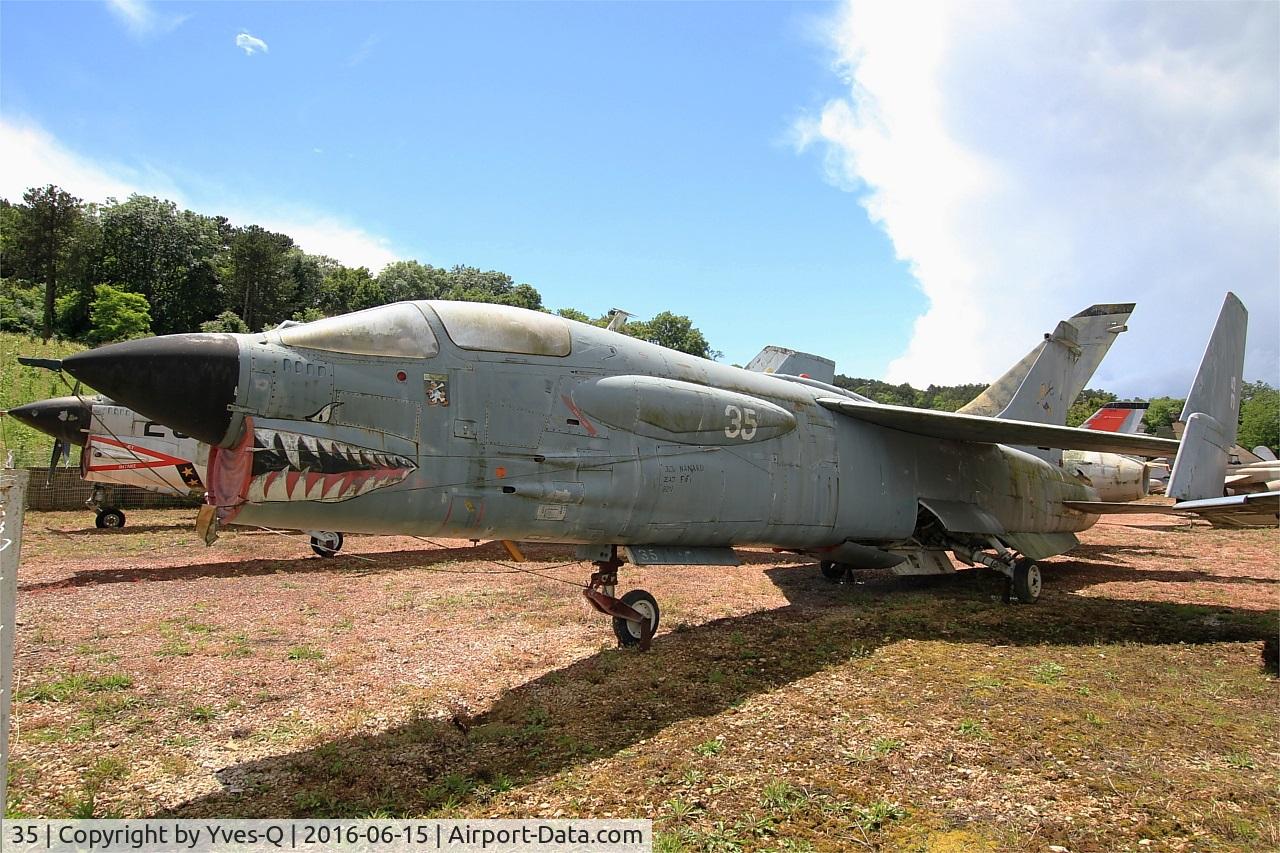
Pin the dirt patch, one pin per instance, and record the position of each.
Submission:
(776, 709)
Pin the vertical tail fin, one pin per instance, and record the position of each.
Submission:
(1122, 416)
(1097, 328)
(1042, 395)
(1212, 409)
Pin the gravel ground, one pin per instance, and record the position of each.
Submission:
(1126, 710)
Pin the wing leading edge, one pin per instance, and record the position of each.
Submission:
(952, 426)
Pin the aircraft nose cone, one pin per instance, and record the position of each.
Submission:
(64, 418)
(183, 381)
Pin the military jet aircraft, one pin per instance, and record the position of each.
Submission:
(122, 448)
(119, 448)
(478, 420)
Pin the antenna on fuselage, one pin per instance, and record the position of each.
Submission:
(617, 319)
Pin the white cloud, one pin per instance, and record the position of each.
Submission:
(323, 235)
(250, 44)
(1029, 159)
(33, 158)
(141, 17)
(30, 156)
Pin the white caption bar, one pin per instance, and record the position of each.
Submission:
(374, 836)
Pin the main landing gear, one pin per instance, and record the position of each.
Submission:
(1022, 573)
(635, 615)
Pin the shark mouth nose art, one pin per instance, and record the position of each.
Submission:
(290, 466)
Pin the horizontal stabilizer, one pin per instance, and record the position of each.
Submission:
(1261, 509)
(951, 426)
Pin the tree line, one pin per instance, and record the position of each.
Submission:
(1259, 405)
(103, 272)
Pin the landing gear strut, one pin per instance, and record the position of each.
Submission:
(635, 615)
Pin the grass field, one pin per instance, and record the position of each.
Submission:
(19, 384)
(1127, 710)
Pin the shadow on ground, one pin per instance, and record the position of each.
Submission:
(430, 559)
(614, 699)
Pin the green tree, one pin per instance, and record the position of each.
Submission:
(305, 275)
(1161, 413)
(401, 280)
(575, 314)
(471, 284)
(260, 277)
(348, 289)
(168, 255)
(1259, 416)
(227, 321)
(21, 306)
(881, 392)
(1089, 401)
(118, 315)
(674, 331)
(46, 228)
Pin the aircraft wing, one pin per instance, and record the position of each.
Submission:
(1260, 509)
(952, 426)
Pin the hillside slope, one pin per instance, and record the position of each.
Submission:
(19, 384)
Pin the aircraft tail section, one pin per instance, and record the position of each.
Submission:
(1212, 409)
(1042, 395)
(793, 363)
(1096, 330)
(1123, 416)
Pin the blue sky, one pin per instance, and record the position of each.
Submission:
(760, 167)
(611, 155)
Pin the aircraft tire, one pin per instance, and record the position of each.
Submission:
(1026, 581)
(831, 570)
(628, 632)
(327, 544)
(110, 518)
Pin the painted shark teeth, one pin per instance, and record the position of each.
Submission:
(290, 466)
(289, 440)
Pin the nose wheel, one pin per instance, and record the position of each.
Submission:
(631, 632)
(635, 615)
(110, 518)
(326, 543)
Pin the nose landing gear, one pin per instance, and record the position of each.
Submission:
(635, 615)
(325, 543)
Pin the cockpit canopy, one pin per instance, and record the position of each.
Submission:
(502, 328)
(399, 330)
